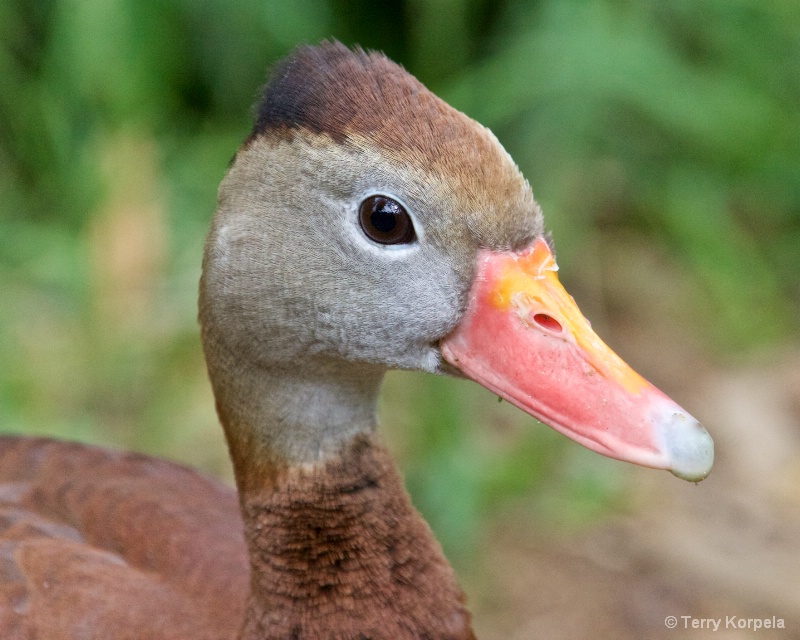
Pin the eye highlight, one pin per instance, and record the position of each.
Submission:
(385, 221)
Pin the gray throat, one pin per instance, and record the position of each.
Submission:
(300, 413)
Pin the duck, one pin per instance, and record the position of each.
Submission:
(364, 225)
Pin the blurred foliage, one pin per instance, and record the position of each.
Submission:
(669, 130)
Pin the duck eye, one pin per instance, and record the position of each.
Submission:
(386, 221)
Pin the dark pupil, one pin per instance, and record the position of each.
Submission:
(384, 216)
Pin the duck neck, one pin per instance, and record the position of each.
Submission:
(294, 415)
(337, 551)
(336, 548)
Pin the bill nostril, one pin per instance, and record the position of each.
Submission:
(548, 323)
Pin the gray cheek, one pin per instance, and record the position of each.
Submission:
(392, 313)
(304, 282)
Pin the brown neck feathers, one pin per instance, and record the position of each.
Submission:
(337, 551)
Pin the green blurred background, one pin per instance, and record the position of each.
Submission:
(662, 139)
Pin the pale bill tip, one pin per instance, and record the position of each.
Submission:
(687, 444)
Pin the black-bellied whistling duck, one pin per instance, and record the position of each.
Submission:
(363, 225)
